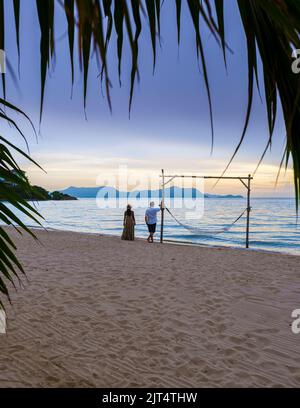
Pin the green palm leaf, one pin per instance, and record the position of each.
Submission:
(272, 31)
(11, 174)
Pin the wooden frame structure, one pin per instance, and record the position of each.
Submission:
(246, 181)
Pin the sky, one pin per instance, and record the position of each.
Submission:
(169, 125)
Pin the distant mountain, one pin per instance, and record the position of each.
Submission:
(111, 192)
(87, 192)
(30, 192)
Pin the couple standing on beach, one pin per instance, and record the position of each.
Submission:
(150, 220)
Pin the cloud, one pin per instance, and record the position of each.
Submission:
(64, 169)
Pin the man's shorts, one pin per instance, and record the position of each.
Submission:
(151, 228)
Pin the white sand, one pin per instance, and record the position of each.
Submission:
(99, 312)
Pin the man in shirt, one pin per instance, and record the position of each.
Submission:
(151, 220)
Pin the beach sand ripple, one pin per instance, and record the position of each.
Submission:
(101, 312)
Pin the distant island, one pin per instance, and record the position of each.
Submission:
(38, 193)
(35, 193)
(111, 192)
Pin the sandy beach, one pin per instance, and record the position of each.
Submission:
(100, 312)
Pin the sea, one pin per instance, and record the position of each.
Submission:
(273, 221)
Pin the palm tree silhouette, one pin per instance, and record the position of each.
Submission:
(271, 27)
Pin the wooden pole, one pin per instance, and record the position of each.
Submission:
(248, 210)
(207, 177)
(246, 181)
(162, 208)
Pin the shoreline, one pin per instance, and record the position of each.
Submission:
(100, 312)
(169, 242)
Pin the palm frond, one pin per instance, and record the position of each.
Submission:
(12, 175)
(2, 41)
(272, 32)
(271, 28)
(17, 24)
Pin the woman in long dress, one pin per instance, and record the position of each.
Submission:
(129, 223)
